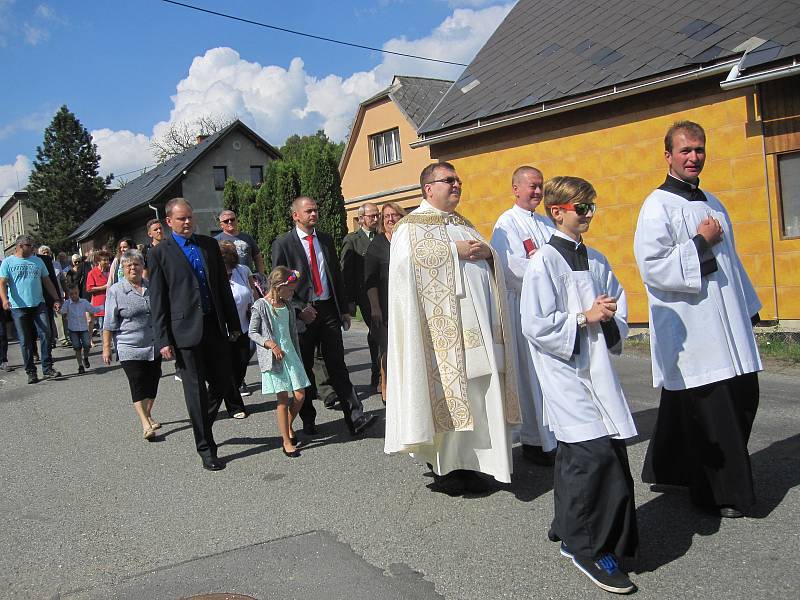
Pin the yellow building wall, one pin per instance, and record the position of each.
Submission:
(619, 150)
(359, 179)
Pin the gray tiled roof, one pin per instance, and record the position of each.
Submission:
(146, 188)
(416, 96)
(551, 49)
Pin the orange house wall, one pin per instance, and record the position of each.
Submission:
(618, 147)
(358, 179)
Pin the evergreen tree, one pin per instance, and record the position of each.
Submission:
(273, 203)
(64, 187)
(238, 196)
(319, 179)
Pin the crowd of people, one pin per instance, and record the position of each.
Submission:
(474, 344)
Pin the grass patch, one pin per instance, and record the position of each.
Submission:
(780, 346)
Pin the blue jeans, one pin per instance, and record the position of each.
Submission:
(28, 322)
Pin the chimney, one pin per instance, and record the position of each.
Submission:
(201, 139)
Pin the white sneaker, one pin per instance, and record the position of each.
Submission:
(178, 378)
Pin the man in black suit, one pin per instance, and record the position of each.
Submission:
(354, 247)
(193, 317)
(321, 310)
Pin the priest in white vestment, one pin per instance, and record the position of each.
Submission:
(451, 387)
(704, 355)
(518, 233)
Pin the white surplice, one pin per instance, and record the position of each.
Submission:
(583, 399)
(700, 329)
(482, 441)
(512, 229)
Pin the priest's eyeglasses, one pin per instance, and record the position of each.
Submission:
(448, 180)
(580, 208)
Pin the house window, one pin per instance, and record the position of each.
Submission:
(220, 176)
(256, 175)
(789, 184)
(385, 148)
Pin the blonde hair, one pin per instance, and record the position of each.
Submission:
(564, 189)
(397, 208)
(277, 279)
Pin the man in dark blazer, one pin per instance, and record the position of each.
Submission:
(354, 247)
(322, 311)
(193, 317)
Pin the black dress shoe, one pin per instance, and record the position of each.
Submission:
(365, 423)
(537, 456)
(293, 454)
(729, 512)
(331, 402)
(309, 428)
(213, 464)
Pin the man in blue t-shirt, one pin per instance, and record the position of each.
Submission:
(23, 280)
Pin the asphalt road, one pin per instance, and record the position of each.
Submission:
(89, 510)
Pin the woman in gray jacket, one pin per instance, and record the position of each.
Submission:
(274, 330)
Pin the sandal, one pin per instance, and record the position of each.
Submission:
(155, 425)
(239, 415)
(149, 434)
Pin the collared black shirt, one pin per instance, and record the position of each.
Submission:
(576, 256)
(693, 193)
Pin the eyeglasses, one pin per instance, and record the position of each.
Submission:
(580, 208)
(371, 216)
(228, 221)
(391, 216)
(448, 180)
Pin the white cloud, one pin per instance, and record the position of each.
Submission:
(122, 152)
(14, 177)
(43, 11)
(278, 101)
(33, 122)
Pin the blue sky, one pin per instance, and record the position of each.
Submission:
(129, 68)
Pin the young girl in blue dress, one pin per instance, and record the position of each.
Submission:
(273, 329)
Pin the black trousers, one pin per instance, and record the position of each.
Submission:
(326, 330)
(372, 340)
(700, 441)
(595, 512)
(200, 365)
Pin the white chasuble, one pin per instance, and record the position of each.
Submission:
(516, 232)
(451, 385)
(700, 329)
(583, 399)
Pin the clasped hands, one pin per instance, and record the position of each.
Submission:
(473, 250)
(603, 309)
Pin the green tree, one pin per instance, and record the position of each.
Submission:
(273, 203)
(238, 196)
(319, 179)
(295, 145)
(64, 187)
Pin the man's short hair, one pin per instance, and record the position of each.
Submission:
(694, 130)
(519, 171)
(295, 207)
(176, 202)
(75, 257)
(226, 212)
(152, 222)
(23, 239)
(427, 173)
(44, 248)
(566, 190)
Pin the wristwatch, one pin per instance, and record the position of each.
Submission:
(581, 320)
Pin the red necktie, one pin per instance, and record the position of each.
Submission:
(314, 268)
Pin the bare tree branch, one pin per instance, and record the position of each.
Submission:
(182, 135)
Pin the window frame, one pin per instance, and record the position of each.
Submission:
(261, 175)
(215, 169)
(779, 194)
(373, 164)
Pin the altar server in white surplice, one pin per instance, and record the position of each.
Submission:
(518, 234)
(704, 355)
(574, 316)
(451, 388)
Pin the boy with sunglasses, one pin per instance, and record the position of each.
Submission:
(574, 315)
